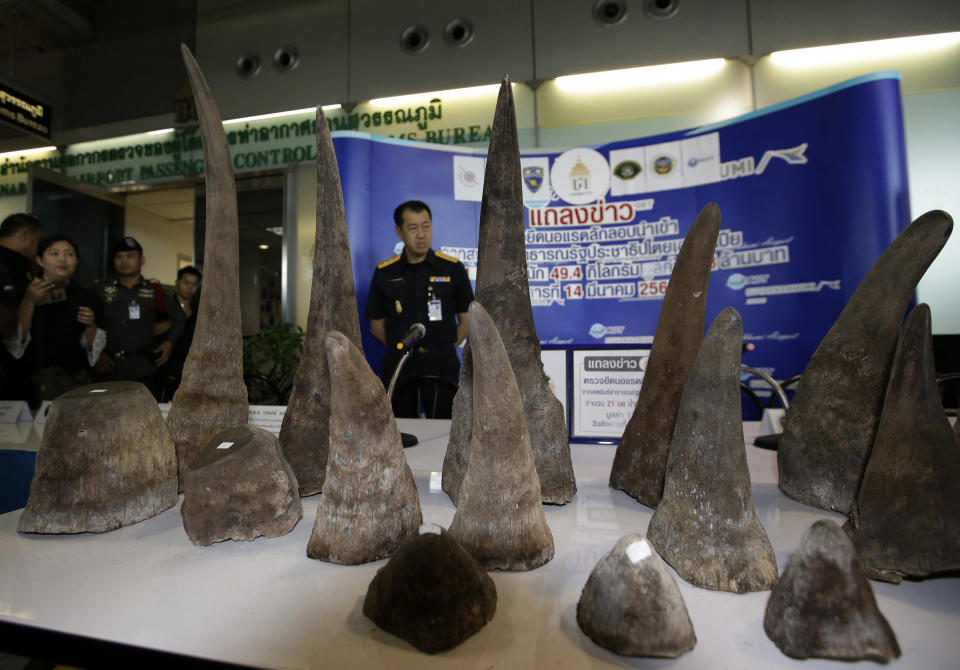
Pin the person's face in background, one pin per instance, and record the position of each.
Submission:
(187, 286)
(128, 263)
(416, 233)
(58, 262)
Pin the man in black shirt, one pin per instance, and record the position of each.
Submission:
(423, 286)
(129, 305)
(181, 305)
(19, 236)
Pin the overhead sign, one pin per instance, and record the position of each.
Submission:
(24, 112)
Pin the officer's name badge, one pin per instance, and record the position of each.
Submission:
(440, 280)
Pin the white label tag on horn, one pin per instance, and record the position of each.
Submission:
(638, 551)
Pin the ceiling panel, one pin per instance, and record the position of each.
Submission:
(569, 40)
(788, 24)
(501, 45)
(316, 30)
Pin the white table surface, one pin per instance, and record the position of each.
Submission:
(264, 603)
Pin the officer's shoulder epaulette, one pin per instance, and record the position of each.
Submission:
(452, 259)
(389, 261)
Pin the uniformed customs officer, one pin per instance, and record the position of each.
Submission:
(420, 285)
(129, 305)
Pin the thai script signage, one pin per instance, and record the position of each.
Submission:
(254, 145)
(24, 112)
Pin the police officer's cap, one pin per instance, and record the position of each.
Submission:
(126, 244)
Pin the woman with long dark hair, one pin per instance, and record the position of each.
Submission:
(57, 335)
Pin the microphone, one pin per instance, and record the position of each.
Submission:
(412, 336)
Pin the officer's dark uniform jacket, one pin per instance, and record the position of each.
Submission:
(14, 279)
(128, 316)
(400, 292)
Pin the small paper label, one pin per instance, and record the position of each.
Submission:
(268, 417)
(430, 529)
(638, 551)
(98, 391)
(225, 445)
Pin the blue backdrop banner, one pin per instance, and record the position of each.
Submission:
(811, 192)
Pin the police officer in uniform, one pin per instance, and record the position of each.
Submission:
(423, 286)
(129, 305)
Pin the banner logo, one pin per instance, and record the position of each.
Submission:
(468, 177)
(793, 156)
(598, 330)
(580, 176)
(736, 281)
(533, 177)
(535, 172)
(627, 169)
(663, 165)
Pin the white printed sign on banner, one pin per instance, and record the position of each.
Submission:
(628, 174)
(605, 389)
(663, 166)
(535, 175)
(468, 178)
(701, 159)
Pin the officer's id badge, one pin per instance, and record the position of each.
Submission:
(398, 307)
(134, 311)
(434, 312)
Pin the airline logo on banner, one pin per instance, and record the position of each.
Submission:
(582, 175)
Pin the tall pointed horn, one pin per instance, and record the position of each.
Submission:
(641, 457)
(305, 432)
(212, 395)
(503, 289)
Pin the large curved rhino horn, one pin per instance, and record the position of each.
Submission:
(832, 421)
(212, 395)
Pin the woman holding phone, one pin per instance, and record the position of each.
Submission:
(57, 334)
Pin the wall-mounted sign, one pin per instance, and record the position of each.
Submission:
(23, 112)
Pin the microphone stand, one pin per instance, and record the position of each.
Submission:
(407, 439)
